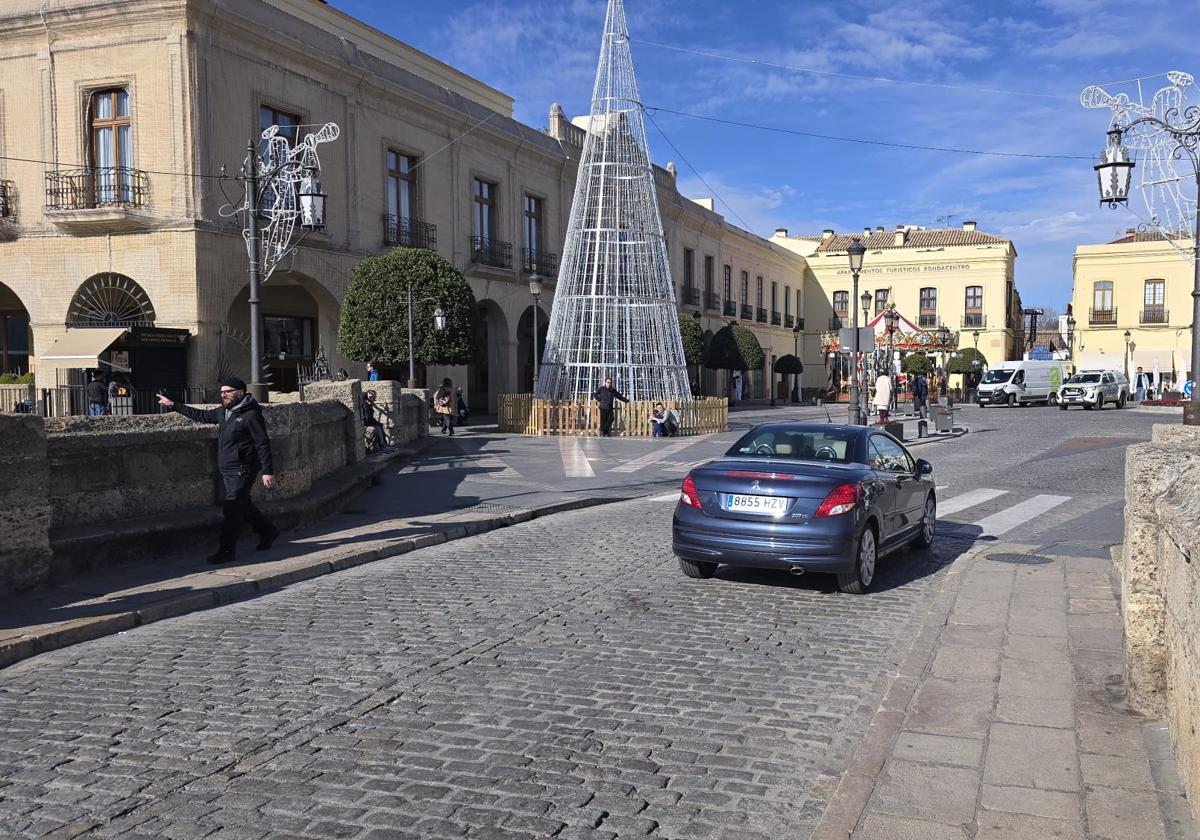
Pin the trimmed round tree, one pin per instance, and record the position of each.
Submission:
(734, 348)
(917, 364)
(374, 316)
(693, 339)
(962, 362)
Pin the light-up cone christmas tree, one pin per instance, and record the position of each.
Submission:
(614, 309)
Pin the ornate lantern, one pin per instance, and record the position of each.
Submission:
(1114, 170)
(312, 202)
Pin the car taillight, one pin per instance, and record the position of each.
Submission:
(841, 499)
(688, 494)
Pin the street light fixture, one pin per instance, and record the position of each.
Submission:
(1128, 335)
(535, 289)
(1071, 337)
(1113, 173)
(855, 252)
(439, 324)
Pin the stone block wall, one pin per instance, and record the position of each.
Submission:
(24, 504)
(1160, 583)
(403, 412)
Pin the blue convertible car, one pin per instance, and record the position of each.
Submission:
(805, 498)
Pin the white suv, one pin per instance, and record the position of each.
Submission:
(1094, 388)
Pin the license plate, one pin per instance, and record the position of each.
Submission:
(762, 505)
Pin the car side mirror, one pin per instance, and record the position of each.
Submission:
(924, 467)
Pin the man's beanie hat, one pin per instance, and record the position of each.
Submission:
(234, 383)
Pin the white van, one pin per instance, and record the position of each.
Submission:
(1020, 382)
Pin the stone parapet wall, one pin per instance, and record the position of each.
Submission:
(74, 481)
(1160, 583)
(24, 505)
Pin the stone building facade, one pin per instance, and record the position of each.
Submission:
(116, 118)
(1139, 284)
(960, 278)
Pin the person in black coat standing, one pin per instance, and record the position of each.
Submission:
(920, 393)
(243, 451)
(606, 395)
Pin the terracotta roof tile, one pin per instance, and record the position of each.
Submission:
(1145, 236)
(939, 237)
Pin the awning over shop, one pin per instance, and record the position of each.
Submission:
(81, 348)
(1150, 360)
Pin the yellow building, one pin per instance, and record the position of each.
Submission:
(1140, 285)
(959, 278)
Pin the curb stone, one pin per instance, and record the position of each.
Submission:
(65, 634)
(852, 793)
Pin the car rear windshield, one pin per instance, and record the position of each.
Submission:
(1081, 378)
(796, 445)
(997, 376)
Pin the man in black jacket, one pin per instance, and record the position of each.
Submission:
(605, 395)
(243, 450)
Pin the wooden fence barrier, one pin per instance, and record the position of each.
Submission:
(523, 414)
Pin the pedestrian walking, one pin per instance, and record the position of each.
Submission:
(463, 411)
(443, 404)
(607, 395)
(371, 422)
(243, 451)
(97, 396)
(883, 397)
(1141, 383)
(372, 372)
(921, 396)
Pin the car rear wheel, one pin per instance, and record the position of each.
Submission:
(697, 568)
(1121, 401)
(859, 581)
(1012, 400)
(928, 524)
(1062, 406)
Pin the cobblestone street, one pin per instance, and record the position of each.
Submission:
(558, 678)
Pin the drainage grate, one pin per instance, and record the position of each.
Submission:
(1021, 559)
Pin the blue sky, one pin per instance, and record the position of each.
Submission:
(1042, 51)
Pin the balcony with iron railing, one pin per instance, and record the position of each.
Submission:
(1155, 315)
(927, 320)
(974, 321)
(762, 315)
(837, 322)
(6, 208)
(690, 296)
(776, 318)
(1102, 317)
(730, 309)
(96, 199)
(491, 252)
(402, 232)
(747, 312)
(789, 321)
(712, 300)
(541, 263)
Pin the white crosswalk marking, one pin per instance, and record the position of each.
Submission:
(970, 499)
(665, 497)
(1009, 518)
(575, 463)
(657, 455)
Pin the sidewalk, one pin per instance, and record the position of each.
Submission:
(1006, 718)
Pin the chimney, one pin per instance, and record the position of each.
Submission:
(671, 168)
(901, 236)
(866, 231)
(781, 232)
(1130, 231)
(968, 226)
(879, 229)
(827, 233)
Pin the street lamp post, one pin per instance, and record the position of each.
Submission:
(535, 289)
(855, 253)
(1128, 335)
(282, 187)
(1113, 175)
(439, 324)
(862, 411)
(1071, 337)
(796, 354)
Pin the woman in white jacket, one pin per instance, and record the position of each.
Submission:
(883, 396)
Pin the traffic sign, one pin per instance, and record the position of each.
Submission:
(1187, 389)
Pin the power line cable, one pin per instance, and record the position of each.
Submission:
(915, 146)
